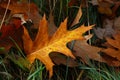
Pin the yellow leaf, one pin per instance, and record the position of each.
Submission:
(43, 45)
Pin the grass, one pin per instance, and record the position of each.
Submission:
(14, 65)
(10, 69)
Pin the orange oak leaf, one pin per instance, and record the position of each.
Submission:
(43, 44)
(113, 51)
(57, 57)
(85, 51)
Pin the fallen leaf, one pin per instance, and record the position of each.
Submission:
(17, 7)
(104, 7)
(59, 58)
(77, 18)
(43, 44)
(115, 8)
(94, 2)
(97, 2)
(30, 11)
(8, 29)
(73, 3)
(113, 51)
(12, 30)
(106, 31)
(2, 12)
(117, 23)
(51, 25)
(86, 52)
(105, 10)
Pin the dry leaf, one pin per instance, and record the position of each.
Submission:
(12, 30)
(51, 25)
(107, 31)
(86, 51)
(115, 8)
(77, 18)
(2, 12)
(59, 58)
(117, 23)
(17, 7)
(43, 44)
(73, 3)
(97, 2)
(94, 2)
(105, 7)
(30, 11)
(105, 10)
(114, 51)
(104, 32)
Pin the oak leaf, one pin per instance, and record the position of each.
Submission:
(104, 8)
(30, 11)
(13, 30)
(117, 23)
(73, 3)
(97, 2)
(85, 51)
(94, 2)
(59, 59)
(2, 12)
(106, 31)
(17, 7)
(112, 53)
(51, 25)
(77, 18)
(43, 44)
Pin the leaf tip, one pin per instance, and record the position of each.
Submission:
(65, 21)
(44, 17)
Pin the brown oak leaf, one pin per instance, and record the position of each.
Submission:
(13, 30)
(51, 25)
(112, 53)
(77, 18)
(107, 31)
(117, 23)
(85, 51)
(59, 58)
(43, 44)
(30, 11)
